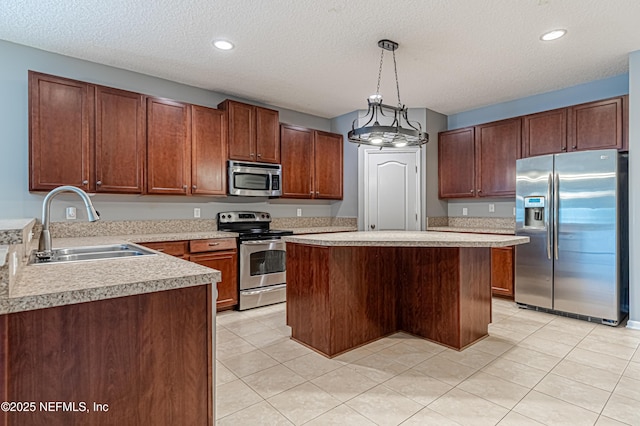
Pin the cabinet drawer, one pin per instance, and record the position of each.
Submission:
(173, 248)
(212, 244)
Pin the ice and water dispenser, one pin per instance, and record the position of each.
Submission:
(534, 212)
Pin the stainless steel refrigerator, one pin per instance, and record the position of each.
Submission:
(574, 208)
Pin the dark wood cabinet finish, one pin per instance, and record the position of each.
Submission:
(149, 357)
(340, 297)
(544, 133)
(297, 161)
(208, 151)
(312, 163)
(456, 163)
(226, 262)
(216, 253)
(497, 149)
(61, 117)
(168, 147)
(596, 125)
(502, 272)
(252, 132)
(328, 169)
(120, 141)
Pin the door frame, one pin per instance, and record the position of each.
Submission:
(366, 153)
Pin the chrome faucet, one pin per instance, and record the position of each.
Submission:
(44, 244)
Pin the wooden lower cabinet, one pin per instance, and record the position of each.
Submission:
(216, 253)
(227, 263)
(502, 272)
(147, 357)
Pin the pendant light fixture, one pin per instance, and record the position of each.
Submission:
(391, 133)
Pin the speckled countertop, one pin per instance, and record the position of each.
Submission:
(44, 286)
(502, 231)
(322, 229)
(408, 239)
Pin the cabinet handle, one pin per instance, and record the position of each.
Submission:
(85, 182)
(160, 249)
(259, 155)
(99, 183)
(564, 148)
(194, 187)
(472, 191)
(574, 147)
(251, 155)
(317, 192)
(479, 191)
(184, 187)
(213, 244)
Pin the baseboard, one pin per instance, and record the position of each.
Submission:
(634, 325)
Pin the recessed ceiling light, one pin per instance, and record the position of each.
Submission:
(553, 35)
(223, 44)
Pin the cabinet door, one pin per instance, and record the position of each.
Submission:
(502, 272)
(120, 141)
(208, 151)
(60, 132)
(267, 136)
(226, 262)
(242, 137)
(328, 154)
(497, 149)
(456, 163)
(544, 133)
(168, 146)
(173, 248)
(297, 161)
(596, 125)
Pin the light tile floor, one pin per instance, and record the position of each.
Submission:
(533, 369)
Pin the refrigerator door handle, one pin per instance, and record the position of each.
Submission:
(556, 210)
(549, 191)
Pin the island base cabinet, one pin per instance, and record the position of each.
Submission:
(339, 298)
(136, 360)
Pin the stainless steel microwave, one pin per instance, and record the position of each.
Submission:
(255, 179)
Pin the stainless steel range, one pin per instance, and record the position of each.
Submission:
(262, 264)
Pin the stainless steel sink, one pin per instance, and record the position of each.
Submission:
(82, 254)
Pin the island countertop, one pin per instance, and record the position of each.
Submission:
(407, 239)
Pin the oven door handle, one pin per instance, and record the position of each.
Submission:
(255, 242)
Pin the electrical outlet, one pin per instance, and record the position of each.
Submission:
(70, 213)
(514, 211)
(298, 212)
(464, 211)
(196, 212)
(492, 208)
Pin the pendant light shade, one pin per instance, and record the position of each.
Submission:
(391, 132)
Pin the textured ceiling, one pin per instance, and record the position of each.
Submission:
(321, 56)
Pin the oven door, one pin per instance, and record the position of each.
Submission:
(262, 263)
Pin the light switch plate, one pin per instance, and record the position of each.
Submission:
(298, 212)
(196, 212)
(464, 211)
(492, 208)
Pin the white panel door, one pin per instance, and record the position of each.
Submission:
(392, 182)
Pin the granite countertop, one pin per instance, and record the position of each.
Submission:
(48, 285)
(408, 239)
(503, 231)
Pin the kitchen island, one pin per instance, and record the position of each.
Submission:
(347, 289)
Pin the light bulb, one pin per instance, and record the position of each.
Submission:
(553, 35)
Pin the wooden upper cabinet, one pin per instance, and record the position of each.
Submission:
(297, 161)
(596, 125)
(60, 132)
(312, 163)
(168, 146)
(328, 158)
(497, 149)
(456, 163)
(267, 135)
(253, 133)
(208, 151)
(544, 133)
(120, 141)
